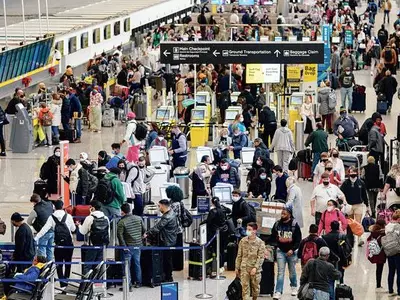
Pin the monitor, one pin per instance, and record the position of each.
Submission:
(246, 2)
(158, 155)
(230, 114)
(296, 100)
(234, 97)
(163, 189)
(223, 192)
(336, 40)
(198, 114)
(202, 98)
(201, 151)
(247, 155)
(163, 114)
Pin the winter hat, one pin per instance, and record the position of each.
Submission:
(84, 155)
(131, 115)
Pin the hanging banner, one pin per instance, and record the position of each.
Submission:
(310, 73)
(348, 37)
(326, 37)
(293, 73)
(263, 73)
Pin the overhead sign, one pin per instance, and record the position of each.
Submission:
(310, 73)
(242, 52)
(263, 73)
(293, 73)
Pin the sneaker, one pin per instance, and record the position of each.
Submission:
(277, 295)
(2, 154)
(77, 141)
(137, 285)
(50, 146)
(294, 291)
(221, 270)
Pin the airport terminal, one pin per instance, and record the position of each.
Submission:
(187, 149)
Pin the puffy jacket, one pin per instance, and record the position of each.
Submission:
(83, 182)
(75, 105)
(283, 140)
(55, 108)
(30, 274)
(349, 124)
(323, 99)
(119, 195)
(238, 142)
(167, 228)
(267, 116)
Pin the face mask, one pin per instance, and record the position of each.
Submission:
(330, 208)
(81, 159)
(58, 154)
(235, 198)
(353, 175)
(241, 119)
(141, 166)
(225, 136)
(347, 73)
(325, 183)
(160, 138)
(224, 168)
(248, 233)
(343, 114)
(263, 177)
(70, 169)
(113, 152)
(328, 169)
(236, 134)
(335, 155)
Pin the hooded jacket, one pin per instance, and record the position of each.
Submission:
(286, 235)
(323, 99)
(29, 275)
(283, 140)
(119, 195)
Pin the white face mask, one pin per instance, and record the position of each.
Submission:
(58, 154)
(347, 73)
(330, 208)
(241, 119)
(70, 169)
(235, 198)
(160, 138)
(224, 168)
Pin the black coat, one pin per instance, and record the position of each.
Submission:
(53, 162)
(372, 177)
(24, 244)
(198, 189)
(388, 86)
(259, 186)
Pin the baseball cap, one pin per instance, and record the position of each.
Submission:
(16, 217)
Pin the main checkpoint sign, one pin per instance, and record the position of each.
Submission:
(242, 52)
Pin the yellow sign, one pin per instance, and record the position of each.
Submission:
(255, 73)
(310, 73)
(293, 73)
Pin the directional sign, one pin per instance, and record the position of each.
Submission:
(242, 52)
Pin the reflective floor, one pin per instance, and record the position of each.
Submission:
(19, 171)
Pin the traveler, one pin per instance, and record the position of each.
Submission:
(179, 147)
(388, 86)
(116, 151)
(307, 114)
(332, 213)
(222, 144)
(394, 261)
(65, 110)
(286, 236)
(55, 109)
(373, 182)
(130, 230)
(268, 120)
(247, 95)
(249, 261)
(62, 224)
(237, 122)
(152, 136)
(337, 163)
(280, 183)
(24, 242)
(42, 210)
(368, 124)
(18, 97)
(242, 213)
(97, 226)
(76, 113)
(327, 105)
(295, 200)
(80, 184)
(335, 61)
(239, 140)
(261, 150)
(166, 229)
(49, 171)
(86, 163)
(346, 83)
(103, 159)
(3, 121)
(110, 193)
(122, 77)
(130, 138)
(320, 273)
(260, 186)
(226, 173)
(96, 101)
(347, 62)
(320, 196)
(199, 185)
(346, 126)
(261, 162)
(203, 87)
(383, 35)
(46, 121)
(319, 142)
(310, 246)
(389, 57)
(139, 177)
(375, 254)
(284, 145)
(334, 176)
(159, 140)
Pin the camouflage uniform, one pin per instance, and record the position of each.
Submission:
(250, 255)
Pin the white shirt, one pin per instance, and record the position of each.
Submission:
(51, 224)
(234, 19)
(338, 167)
(321, 195)
(318, 171)
(87, 224)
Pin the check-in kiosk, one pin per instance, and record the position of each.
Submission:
(246, 156)
(159, 161)
(204, 99)
(21, 139)
(201, 151)
(234, 97)
(296, 100)
(165, 114)
(231, 113)
(199, 128)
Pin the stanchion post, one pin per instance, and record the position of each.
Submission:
(204, 295)
(52, 286)
(126, 280)
(114, 231)
(12, 229)
(219, 277)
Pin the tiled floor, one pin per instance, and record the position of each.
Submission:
(18, 172)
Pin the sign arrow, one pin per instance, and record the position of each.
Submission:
(216, 53)
(277, 52)
(166, 53)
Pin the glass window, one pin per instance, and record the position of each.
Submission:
(127, 24)
(107, 32)
(96, 36)
(117, 28)
(72, 45)
(84, 40)
(60, 47)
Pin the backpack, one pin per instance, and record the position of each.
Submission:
(391, 243)
(373, 7)
(234, 291)
(137, 176)
(104, 191)
(62, 235)
(99, 231)
(344, 251)
(185, 217)
(388, 55)
(93, 182)
(310, 251)
(47, 119)
(44, 171)
(332, 100)
(141, 131)
(251, 209)
(373, 248)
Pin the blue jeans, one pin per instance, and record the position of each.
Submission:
(316, 159)
(332, 290)
(133, 257)
(45, 245)
(282, 259)
(346, 93)
(55, 131)
(110, 211)
(78, 125)
(320, 295)
(138, 205)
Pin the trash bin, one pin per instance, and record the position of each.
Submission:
(181, 175)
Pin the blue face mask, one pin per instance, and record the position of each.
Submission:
(263, 177)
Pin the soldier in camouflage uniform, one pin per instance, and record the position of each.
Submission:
(249, 262)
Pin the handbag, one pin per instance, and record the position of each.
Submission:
(355, 227)
(306, 291)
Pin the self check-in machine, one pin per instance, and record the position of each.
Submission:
(21, 139)
(202, 151)
(165, 114)
(246, 156)
(159, 163)
(231, 113)
(199, 126)
(296, 100)
(235, 97)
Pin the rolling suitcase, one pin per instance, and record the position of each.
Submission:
(359, 98)
(382, 107)
(40, 188)
(108, 117)
(231, 253)
(114, 272)
(80, 211)
(68, 135)
(152, 267)
(304, 170)
(140, 109)
(267, 284)
(334, 81)
(195, 262)
(234, 291)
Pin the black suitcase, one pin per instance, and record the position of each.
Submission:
(152, 267)
(359, 100)
(140, 109)
(343, 292)
(231, 253)
(195, 262)
(68, 135)
(40, 188)
(267, 284)
(234, 291)
(177, 255)
(114, 272)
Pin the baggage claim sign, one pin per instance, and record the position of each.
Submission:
(244, 52)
